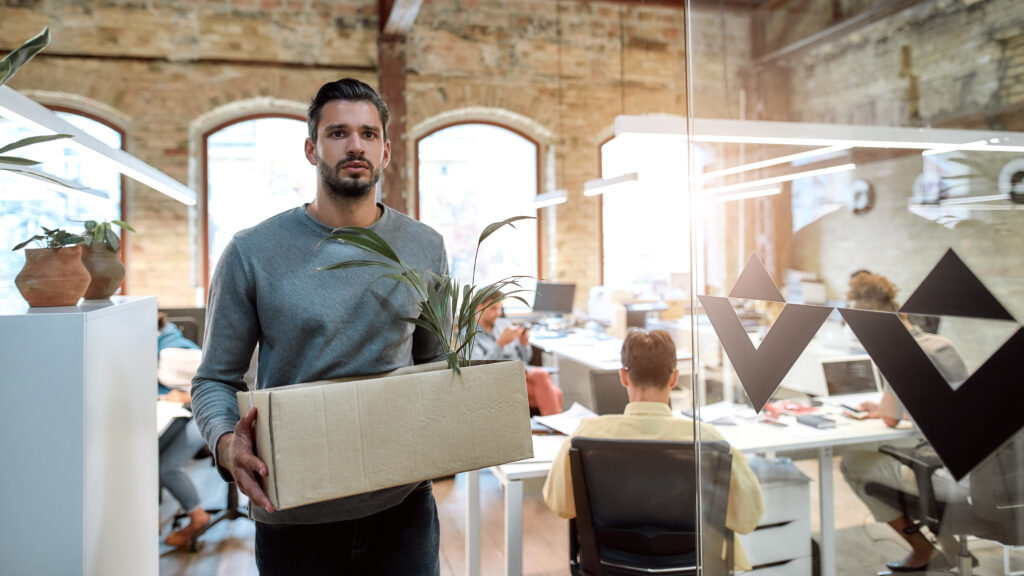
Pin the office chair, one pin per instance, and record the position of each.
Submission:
(191, 321)
(636, 507)
(607, 391)
(994, 511)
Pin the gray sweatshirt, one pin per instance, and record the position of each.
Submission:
(310, 325)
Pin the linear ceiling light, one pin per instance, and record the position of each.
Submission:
(747, 195)
(605, 185)
(779, 179)
(774, 161)
(553, 198)
(973, 199)
(810, 134)
(29, 113)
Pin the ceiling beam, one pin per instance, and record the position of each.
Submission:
(843, 28)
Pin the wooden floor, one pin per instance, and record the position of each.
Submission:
(862, 545)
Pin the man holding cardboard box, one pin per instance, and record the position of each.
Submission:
(312, 326)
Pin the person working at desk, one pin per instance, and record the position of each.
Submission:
(649, 373)
(860, 467)
(178, 358)
(513, 343)
(315, 325)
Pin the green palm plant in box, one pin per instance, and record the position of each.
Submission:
(448, 309)
(8, 67)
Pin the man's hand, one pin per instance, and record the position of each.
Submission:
(235, 453)
(524, 336)
(871, 408)
(508, 336)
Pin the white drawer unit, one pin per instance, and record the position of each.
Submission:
(781, 544)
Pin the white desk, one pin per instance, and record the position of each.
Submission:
(749, 437)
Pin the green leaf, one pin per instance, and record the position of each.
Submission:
(494, 227)
(112, 240)
(21, 55)
(27, 242)
(19, 161)
(366, 239)
(32, 140)
(352, 264)
(90, 224)
(124, 225)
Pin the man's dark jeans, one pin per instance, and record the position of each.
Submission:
(400, 541)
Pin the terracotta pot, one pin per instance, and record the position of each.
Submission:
(106, 271)
(53, 276)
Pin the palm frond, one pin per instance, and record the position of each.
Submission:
(21, 55)
(32, 140)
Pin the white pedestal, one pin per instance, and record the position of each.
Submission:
(78, 444)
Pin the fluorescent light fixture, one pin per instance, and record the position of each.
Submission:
(29, 113)
(553, 198)
(774, 161)
(605, 185)
(650, 124)
(973, 199)
(811, 134)
(944, 149)
(779, 179)
(747, 195)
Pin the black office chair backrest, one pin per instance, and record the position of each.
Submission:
(636, 500)
(191, 321)
(610, 396)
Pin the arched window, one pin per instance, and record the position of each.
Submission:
(27, 204)
(470, 175)
(645, 235)
(255, 168)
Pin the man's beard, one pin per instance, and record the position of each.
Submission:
(347, 188)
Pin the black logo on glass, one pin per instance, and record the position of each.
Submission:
(964, 425)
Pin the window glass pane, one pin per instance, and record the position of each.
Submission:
(646, 235)
(471, 175)
(28, 204)
(881, 163)
(256, 169)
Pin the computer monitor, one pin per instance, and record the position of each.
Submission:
(850, 375)
(554, 298)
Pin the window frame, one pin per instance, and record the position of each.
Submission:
(538, 159)
(204, 204)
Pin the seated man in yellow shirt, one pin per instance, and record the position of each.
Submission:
(649, 373)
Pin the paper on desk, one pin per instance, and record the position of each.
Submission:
(567, 421)
(545, 448)
(167, 411)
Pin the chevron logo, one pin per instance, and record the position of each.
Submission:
(761, 369)
(968, 424)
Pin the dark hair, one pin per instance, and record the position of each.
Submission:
(351, 90)
(872, 292)
(649, 357)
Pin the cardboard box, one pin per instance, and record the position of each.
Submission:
(335, 438)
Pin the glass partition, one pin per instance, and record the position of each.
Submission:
(858, 214)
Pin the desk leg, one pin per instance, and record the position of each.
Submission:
(473, 523)
(828, 520)
(514, 528)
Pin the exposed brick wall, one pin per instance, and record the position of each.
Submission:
(163, 64)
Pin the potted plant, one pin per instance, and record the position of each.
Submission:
(448, 311)
(99, 254)
(53, 274)
(8, 66)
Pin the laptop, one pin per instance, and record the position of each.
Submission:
(851, 380)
